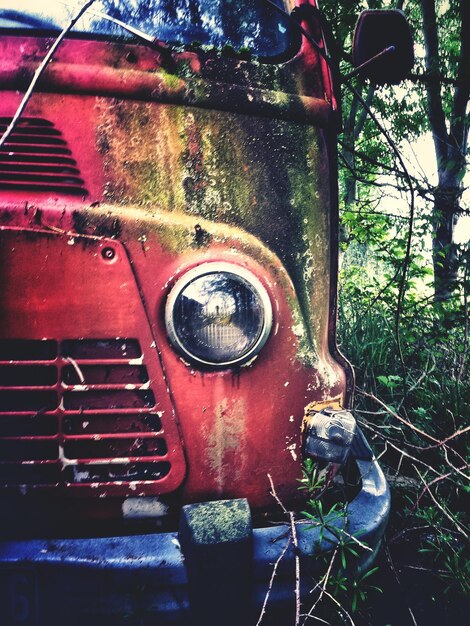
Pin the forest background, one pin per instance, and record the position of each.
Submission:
(404, 303)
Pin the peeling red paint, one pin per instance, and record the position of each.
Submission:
(179, 169)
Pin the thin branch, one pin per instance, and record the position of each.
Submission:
(76, 367)
(340, 606)
(398, 449)
(407, 259)
(396, 416)
(406, 531)
(293, 532)
(297, 568)
(323, 584)
(438, 442)
(363, 156)
(363, 116)
(440, 507)
(275, 496)
(355, 539)
(427, 486)
(271, 581)
(392, 567)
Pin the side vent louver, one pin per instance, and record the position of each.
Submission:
(37, 158)
(79, 412)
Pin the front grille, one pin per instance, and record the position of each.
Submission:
(36, 158)
(78, 412)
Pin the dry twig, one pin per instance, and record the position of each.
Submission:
(392, 567)
(293, 532)
(271, 582)
(323, 583)
(297, 568)
(446, 513)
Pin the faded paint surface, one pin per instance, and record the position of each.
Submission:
(227, 436)
(218, 161)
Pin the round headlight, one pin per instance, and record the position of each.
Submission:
(218, 314)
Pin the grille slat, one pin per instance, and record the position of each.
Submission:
(31, 475)
(105, 375)
(27, 350)
(79, 403)
(106, 399)
(33, 158)
(11, 148)
(21, 401)
(15, 425)
(101, 349)
(124, 472)
(111, 424)
(27, 376)
(28, 121)
(33, 130)
(37, 141)
(17, 168)
(115, 448)
(38, 178)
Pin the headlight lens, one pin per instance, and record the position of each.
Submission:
(218, 314)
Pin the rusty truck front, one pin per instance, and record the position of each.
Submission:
(168, 242)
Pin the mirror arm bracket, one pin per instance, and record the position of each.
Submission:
(357, 70)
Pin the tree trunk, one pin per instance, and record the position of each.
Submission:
(444, 250)
(450, 142)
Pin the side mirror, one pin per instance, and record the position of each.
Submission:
(377, 30)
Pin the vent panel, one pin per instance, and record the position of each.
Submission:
(76, 413)
(108, 399)
(101, 349)
(28, 425)
(36, 157)
(115, 448)
(27, 375)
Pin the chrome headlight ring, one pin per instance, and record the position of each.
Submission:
(218, 315)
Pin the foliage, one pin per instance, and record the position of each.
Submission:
(435, 98)
(342, 576)
(409, 346)
(429, 448)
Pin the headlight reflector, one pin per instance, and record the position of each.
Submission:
(218, 314)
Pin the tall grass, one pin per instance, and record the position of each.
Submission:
(421, 434)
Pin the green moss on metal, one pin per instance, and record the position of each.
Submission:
(309, 200)
(265, 176)
(225, 521)
(173, 80)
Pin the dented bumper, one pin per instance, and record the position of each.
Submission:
(152, 579)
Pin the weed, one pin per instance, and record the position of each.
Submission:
(425, 452)
(343, 578)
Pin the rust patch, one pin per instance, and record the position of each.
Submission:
(6, 216)
(226, 441)
(315, 407)
(97, 225)
(201, 236)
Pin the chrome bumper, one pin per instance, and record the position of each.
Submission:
(146, 579)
